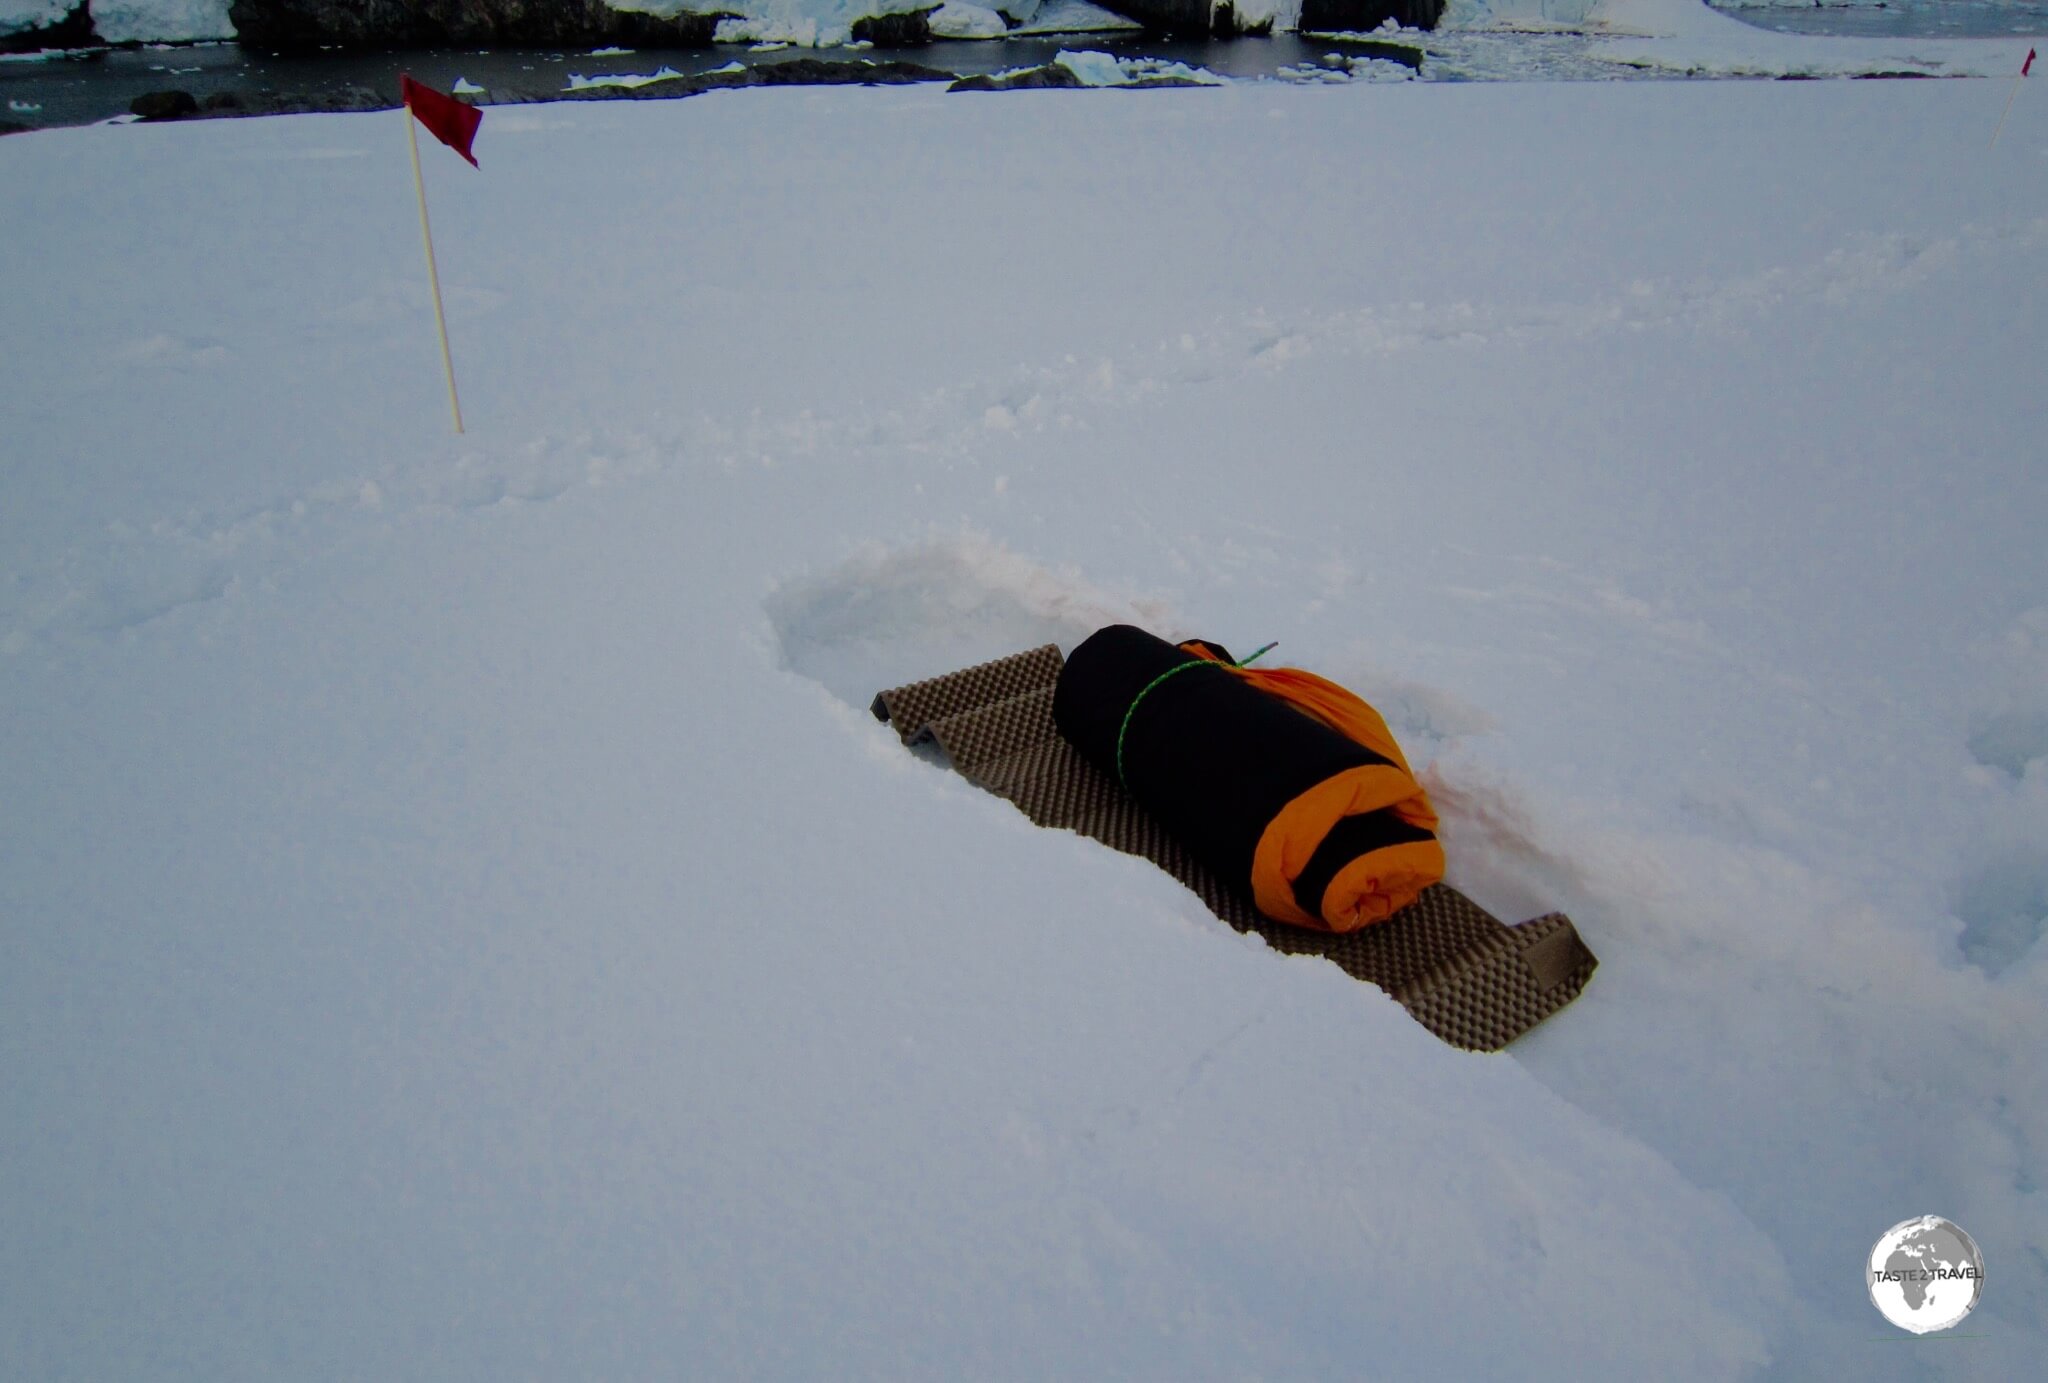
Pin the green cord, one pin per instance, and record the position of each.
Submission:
(1132, 709)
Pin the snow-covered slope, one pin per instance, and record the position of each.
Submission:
(17, 15)
(161, 21)
(457, 919)
(1690, 37)
(125, 21)
(1687, 36)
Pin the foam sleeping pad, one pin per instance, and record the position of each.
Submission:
(1284, 785)
(1460, 971)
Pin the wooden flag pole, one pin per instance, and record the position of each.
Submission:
(2013, 97)
(419, 184)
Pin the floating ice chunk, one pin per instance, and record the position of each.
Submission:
(1103, 69)
(578, 82)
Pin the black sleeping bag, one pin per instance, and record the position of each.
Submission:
(1284, 785)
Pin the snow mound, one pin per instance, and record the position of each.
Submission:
(956, 19)
(1073, 17)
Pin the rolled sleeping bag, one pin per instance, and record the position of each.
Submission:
(1285, 785)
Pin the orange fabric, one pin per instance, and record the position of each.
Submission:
(1370, 888)
(1376, 885)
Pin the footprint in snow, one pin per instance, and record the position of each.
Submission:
(898, 614)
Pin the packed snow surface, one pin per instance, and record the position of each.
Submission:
(458, 919)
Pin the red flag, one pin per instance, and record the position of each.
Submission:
(2028, 63)
(447, 119)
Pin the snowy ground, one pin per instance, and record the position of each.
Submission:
(457, 921)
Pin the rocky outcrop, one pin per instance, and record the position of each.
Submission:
(1182, 18)
(1052, 75)
(912, 30)
(299, 26)
(74, 30)
(1218, 18)
(304, 26)
(1224, 23)
(164, 105)
(1189, 18)
(1360, 16)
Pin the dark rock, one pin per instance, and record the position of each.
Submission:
(1183, 18)
(222, 101)
(164, 105)
(74, 30)
(648, 31)
(912, 30)
(1051, 76)
(299, 26)
(1223, 23)
(1362, 16)
(9, 127)
(817, 72)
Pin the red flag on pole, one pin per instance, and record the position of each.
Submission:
(447, 119)
(2024, 67)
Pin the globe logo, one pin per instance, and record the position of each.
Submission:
(1925, 1274)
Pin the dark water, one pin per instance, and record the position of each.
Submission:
(85, 88)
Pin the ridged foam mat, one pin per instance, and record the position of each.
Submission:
(1464, 974)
